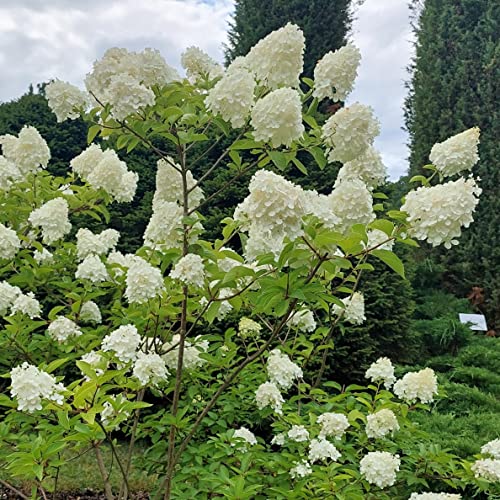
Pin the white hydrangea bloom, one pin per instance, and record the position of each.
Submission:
(457, 153)
(128, 96)
(143, 281)
(229, 261)
(31, 385)
(53, 218)
(117, 260)
(246, 435)
(298, 433)
(277, 60)
(380, 467)
(492, 448)
(90, 313)
(381, 371)
(268, 394)
(43, 257)
(8, 295)
(335, 73)
(97, 361)
(153, 69)
(248, 328)
(320, 206)
(9, 242)
(262, 242)
(199, 64)
(189, 270)
(150, 369)
(191, 358)
(88, 243)
(381, 423)
(232, 97)
(123, 342)
(352, 203)
(281, 370)
(354, 311)
(65, 99)
(321, 449)
(169, 184)
(28, 151)
(417, 385)
(301, 469)
(114, 409)
(277, 118)
(435, 496)
(487, 468)
(437, 213)
(368, 168)
(278, 439)
(379, 239)
(86, 161)
(27, 304)
(304, 320)
(332, 424)
(349, 132)
(93, 269)
(61, 329)
(164, 229)
(9, 174)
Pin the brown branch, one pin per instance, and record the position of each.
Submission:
(19, 493)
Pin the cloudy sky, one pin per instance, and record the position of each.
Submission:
(44, 39)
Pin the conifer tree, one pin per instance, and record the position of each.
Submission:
(454, 86)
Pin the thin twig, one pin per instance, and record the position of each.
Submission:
(14, 489)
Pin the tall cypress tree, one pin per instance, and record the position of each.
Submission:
(325, 24)
(454, 86)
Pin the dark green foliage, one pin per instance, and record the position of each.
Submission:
(325, 24)
(454, 86)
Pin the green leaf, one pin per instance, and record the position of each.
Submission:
(279, 159)
(92, 133)
(391, 259)
(245, 144)
(299, 165)
(319, 156)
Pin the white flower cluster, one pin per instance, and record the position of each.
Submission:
(437, 213)
(335, 73)
(381, 371)
(277, 59)
(104, 170)
(164, 229)
(351, 201)
(435, 496)
(379, 239)
(31, 385)
(90, 313)
(53, 218)
(457, 153)
(487, 468)
(281, 370)
(301, 469)
(320, 206)
(332, 424)
(321, 449)
(349, 132)
(304, 320)
(143, 281)
(272, 211)
(492, 448)
(232, 97)
(123, 79)
(93, 269)
(246, 435)
(368, 167)
(420, 385)
(114, 410)
(191, 358)
(61, 329)
(198, 64)
(43, 257)
(150, 369)
(298, 433)
(97, 361)
(123, 342)
(380, 467)
(189, 270)
(65, 100)
(354, 311)
(27, 304)
(88, 243)
(9, 174)
(8, 295)
(381, 423)
(28, 151)
(278, 439)
(277, 117)
(268, 394)
(9, 242)
(248, 328)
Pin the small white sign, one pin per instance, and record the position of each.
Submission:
(477, 321)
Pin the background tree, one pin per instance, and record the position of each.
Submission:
(454, 86)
